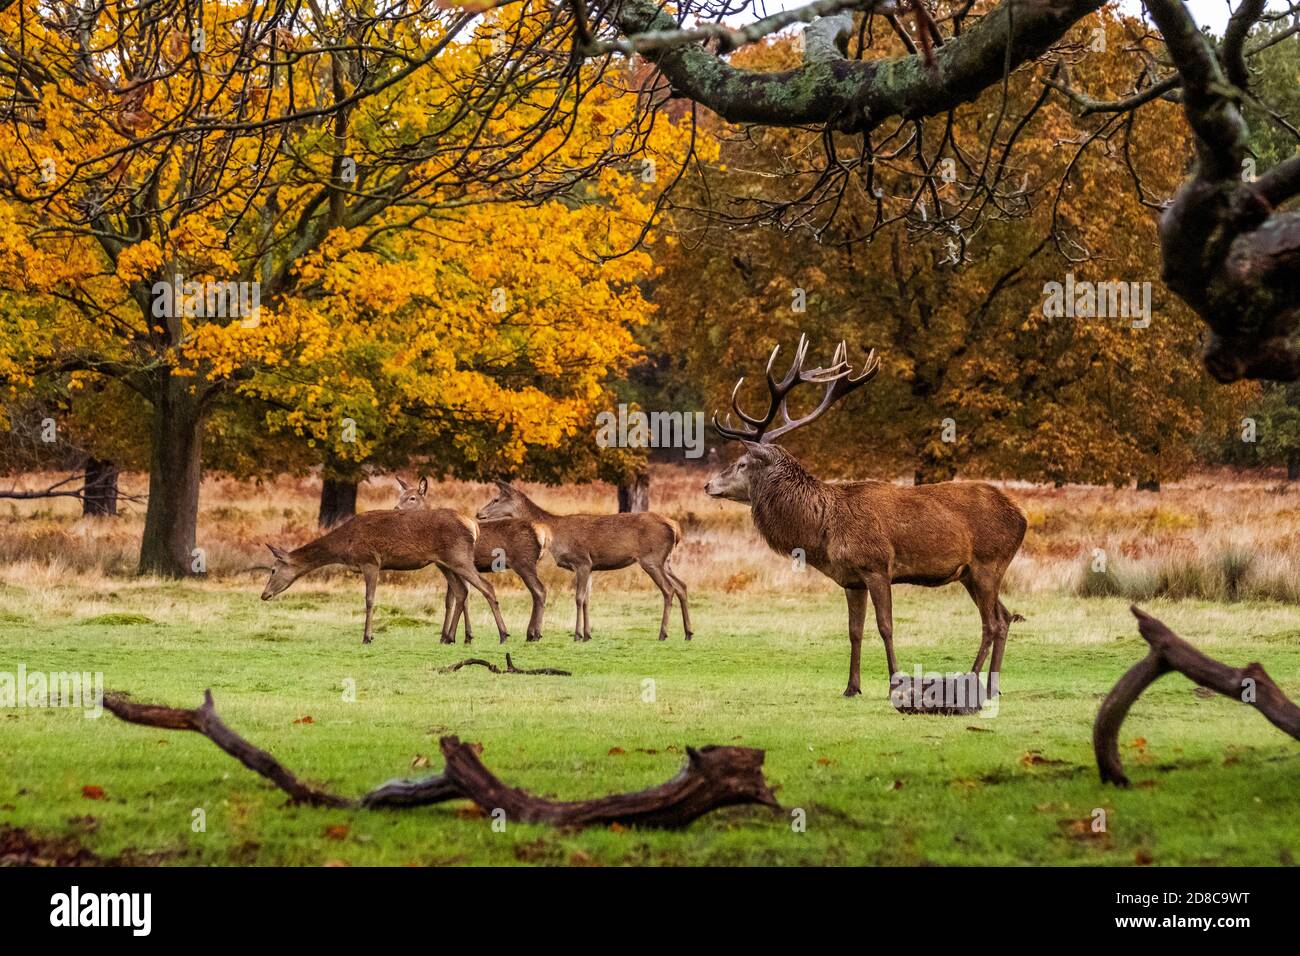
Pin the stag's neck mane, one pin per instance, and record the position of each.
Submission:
(789, 505)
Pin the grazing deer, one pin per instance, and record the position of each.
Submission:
(586, 543)
(389, 541)
(868, 535)
(509, 543)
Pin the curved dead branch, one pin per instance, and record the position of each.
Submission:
(713, 777)
(508, 669)
(1249, 684)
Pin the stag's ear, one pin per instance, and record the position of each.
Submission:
(760, 452)
(279, 553)
(424, 485)
(401, 484)
(504, 486)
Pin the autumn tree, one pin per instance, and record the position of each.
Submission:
(155, 152)
(978, 372)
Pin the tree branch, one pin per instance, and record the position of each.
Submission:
(1249, 684)
(713, 777)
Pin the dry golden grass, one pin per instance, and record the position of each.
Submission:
(1218, 536)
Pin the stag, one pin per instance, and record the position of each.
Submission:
(509, 543)
(389, 541)
(586, 543)
(869, 535)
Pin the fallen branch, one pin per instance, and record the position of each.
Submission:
(713, 777)
(509, 668)
(1169, 652)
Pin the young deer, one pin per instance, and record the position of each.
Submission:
(867, 535)
(506, 544)
(586, 543)
(390, 541)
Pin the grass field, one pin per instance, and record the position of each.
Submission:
(1214, 783)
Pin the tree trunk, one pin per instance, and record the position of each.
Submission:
(635, 496)
(338, 501)
(99, 491)
(175, 470)
(1148, 484)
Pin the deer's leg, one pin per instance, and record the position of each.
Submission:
(680, 587)
(484, 587)
(999, 642)
(995, 621)
(457, 595)
(989, 621)
(881, 600)
(371, 573)
(538, 590)
(581, 593)
(657, 575)
(857, 617)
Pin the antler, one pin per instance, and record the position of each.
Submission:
(838, 379)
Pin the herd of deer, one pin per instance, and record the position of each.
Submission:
(863, 535)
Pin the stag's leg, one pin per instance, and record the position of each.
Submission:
(371, 573)
(538, 590)
(581, 593)
(680, 587)
(857, 617)
(990, 620)
(470, 573)
(881, 600)
(657, 575)
(995, 621)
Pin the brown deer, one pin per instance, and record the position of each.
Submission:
(869, 535)
(586, 543)
(389, 541)
(510, 544)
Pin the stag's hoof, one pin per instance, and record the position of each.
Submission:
(532, 638)
(852, 691)
(663, 635)
(504, 638)
(446, 640)
(689, 635)
(367, 640)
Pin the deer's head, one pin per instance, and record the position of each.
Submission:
(508, 503)
(734, 481)
(757, 434)
(283, 573)
(412, 499)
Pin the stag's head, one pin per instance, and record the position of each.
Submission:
(283, 573)
(508, 503)
(757, 434)
(412, 499)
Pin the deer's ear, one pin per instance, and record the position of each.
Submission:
(504, 486)
(424, 484)
(401, 484)
(759, 451)
(279, 553)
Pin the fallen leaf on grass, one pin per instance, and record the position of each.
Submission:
(1143, 858)
(616, 752)
(419, 760)
(91, 792)
(1034, 758)
(825, 761)
(470, 812)
(307, 719)
(896, 785)
(980, 730)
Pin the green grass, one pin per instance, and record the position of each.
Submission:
(1214, 783)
